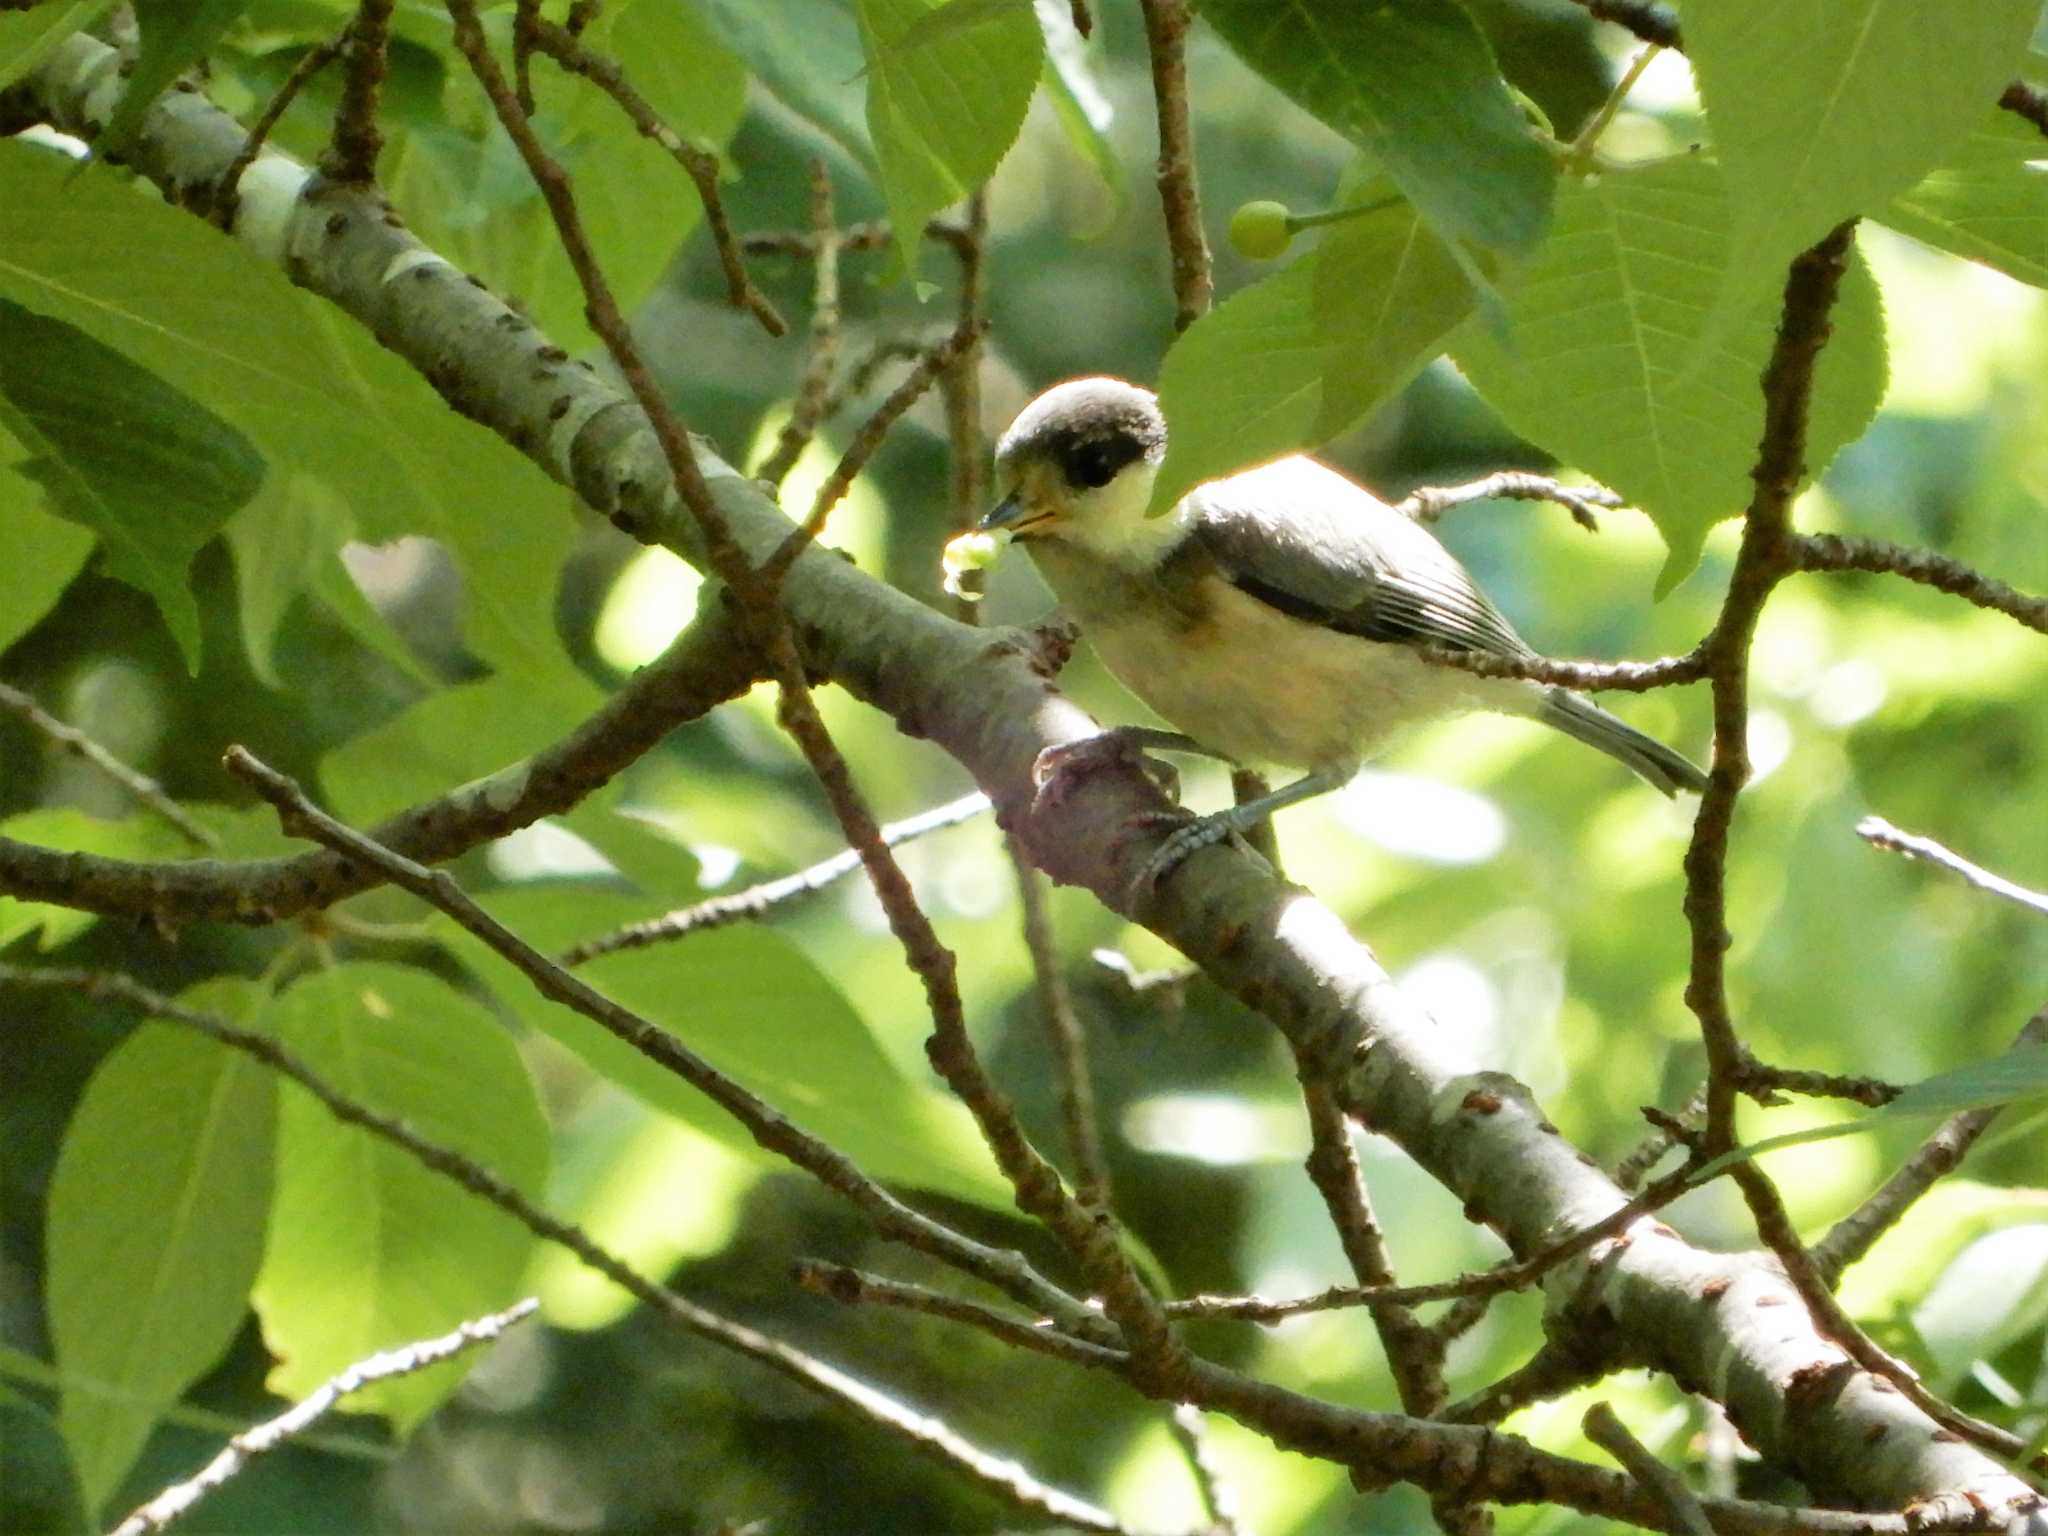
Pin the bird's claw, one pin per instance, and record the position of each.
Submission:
(1191, 835)
(1058, 769)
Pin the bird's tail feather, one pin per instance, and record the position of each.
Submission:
(1583, 720)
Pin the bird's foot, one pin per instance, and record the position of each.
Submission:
(1190, 835)
(1058, 769)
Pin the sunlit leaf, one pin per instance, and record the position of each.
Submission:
(368, 1248)
(1989, 202)
(156, 1222)
(944, 109)
(1601, 362)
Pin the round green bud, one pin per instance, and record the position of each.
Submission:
(1261, 230)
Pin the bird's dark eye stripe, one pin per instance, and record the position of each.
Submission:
(1094, 462)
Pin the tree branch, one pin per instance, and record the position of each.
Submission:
(1180, 199)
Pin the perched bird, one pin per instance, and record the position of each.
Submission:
(1273, 615)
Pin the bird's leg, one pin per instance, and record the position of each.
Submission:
(1232, 823)
(1059, 768)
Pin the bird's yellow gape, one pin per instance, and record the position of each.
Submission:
(1272, 616)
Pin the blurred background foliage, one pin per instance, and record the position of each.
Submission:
(1524, 890)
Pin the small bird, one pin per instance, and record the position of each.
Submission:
(1272, 615)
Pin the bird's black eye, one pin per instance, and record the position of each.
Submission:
(1094, 464)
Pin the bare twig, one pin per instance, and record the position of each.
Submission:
(923, 1431)
(145, 790)
(1938, 1156)
(1429, 503)
(1166, 35)
(525, 23)
(352, 156)
(226, 195)
(1833, 552)
(852, 1287)
(757, 901)
(1646, 1154)
(179, 1498)
(1763, 560)
(1247, 785)
(1006, 1271)
(1607, 1431)
(1219, 1495)
(807, 410)
(2027, 101)
(1074, 1086)
(1083, 22)
(1879, 833)
(1617, 676)
(1486, 1282)
(1170, 983)
(1762, 1083)
(700, 165)
(1550, 1372)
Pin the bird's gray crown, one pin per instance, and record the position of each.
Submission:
(1091, 428)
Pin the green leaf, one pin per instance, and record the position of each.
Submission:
(1414, 84)
(27, 36)
(1988, 203)
(140, 836)
(807, 55)
(753, 1006)
(1602, 363)
(1998, 1080)
(309, 387)
(1903, 1264)
(944, 108)
(1244, 383)
(1388, 292)
(1084, 111)
(1820, 112)
(176, 35)
(39, 1489)
(368, 1249)
(118, 450)
(449, 738)
(44, 553)
(156, 1221)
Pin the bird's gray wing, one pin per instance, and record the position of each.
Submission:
(1302, 538)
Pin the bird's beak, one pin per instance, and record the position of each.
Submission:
(1012, 516)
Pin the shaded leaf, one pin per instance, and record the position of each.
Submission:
(27, 36)
(118, 450)
(39, 1489)
(44, 553)
(1414, 84)
(176, 35)
(156, 1221)
(807, 55)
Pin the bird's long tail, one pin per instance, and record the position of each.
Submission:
(1583, 720)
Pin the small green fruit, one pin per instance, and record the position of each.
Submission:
(1261, 230)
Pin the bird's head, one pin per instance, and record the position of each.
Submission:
(1077, 465)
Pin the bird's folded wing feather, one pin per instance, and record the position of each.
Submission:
(1307, 541)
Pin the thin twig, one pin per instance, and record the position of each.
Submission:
(140, 786)
(2027, 101)
(1166, 36)
(408, 1360)
(936, 359)
(1607, 1431)
(1083, 22)
(1428, 503)
(1073, 1084)
(1550, 1372)
(1616, 676)
(1647, 1153)
(807, 410)
(853, 1287)
(927, 1433)
(1169, 982)
(1246, 786)
(1833, 552)
(1853, 1236)
(1219, 1495)
(227, 194)
(1006, 1271)
(525, 24)
(1764, 558)
(700, 165)
(352, 154)
(757, 901)
(1762, 1082)
(1879, 833)
(1486, 1282)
